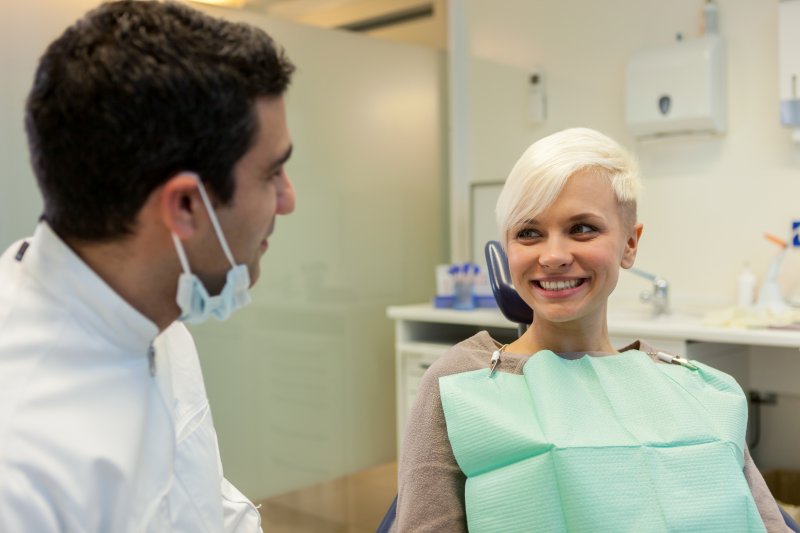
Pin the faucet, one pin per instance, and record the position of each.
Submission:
(659, 296)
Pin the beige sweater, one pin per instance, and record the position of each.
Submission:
(431, 485)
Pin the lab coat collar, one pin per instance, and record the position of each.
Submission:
(72, 283)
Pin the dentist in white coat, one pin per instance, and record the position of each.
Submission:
(158, 138)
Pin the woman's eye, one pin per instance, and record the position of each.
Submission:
(583, 229)
(527, 233)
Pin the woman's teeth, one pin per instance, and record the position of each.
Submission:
(560, 285)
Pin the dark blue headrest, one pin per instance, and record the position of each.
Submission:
(508, 300)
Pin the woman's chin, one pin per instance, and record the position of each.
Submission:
(564, 316)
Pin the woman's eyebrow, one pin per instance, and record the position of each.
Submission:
(533, 221)
(584, 216)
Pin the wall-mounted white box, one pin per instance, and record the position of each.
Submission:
(677, 88)
(789, 62)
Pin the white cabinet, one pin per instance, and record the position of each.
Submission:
(422, 334)
(413, 359)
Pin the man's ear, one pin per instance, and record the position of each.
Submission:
(181, 205)
(632, 246)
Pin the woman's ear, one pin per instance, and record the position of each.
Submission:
(631, 246)
(180, 205)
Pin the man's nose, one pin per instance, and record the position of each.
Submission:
(286, 197)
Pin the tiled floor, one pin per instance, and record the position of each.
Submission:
(351, 504)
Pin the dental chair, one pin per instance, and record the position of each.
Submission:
(516, 310)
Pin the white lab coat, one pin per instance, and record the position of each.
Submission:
(95, 434)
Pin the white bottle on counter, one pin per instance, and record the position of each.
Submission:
(747, 287)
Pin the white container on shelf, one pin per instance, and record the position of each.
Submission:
(747, 287)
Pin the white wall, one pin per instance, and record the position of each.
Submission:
(707, 201)
(301, 383)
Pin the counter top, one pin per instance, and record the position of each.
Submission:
(672, 327)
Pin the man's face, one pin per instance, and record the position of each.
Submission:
(263, 191)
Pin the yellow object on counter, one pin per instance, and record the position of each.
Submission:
(755, 317)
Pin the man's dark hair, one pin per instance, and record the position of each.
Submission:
(133, 93)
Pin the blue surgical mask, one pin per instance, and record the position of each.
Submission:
(193, 298)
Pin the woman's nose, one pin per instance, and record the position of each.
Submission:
(286, 197)
(555, 254)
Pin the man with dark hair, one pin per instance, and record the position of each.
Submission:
(158, 138)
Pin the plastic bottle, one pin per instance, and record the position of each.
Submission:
(747, 287)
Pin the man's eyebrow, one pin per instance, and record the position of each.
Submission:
(282, 159)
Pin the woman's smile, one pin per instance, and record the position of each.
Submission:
(560, 287)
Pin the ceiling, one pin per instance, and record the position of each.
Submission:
(414, 21)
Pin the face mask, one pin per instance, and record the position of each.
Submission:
(193, 298)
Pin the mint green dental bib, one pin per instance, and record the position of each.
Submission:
(601, 444)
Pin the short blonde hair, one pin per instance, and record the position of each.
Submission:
(540, 174)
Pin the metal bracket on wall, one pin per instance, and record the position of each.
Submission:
(763, 398)
(757, 399)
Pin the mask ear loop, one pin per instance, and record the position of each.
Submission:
(181, 254)
(214, 221)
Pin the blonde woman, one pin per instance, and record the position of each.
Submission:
(567, 433)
